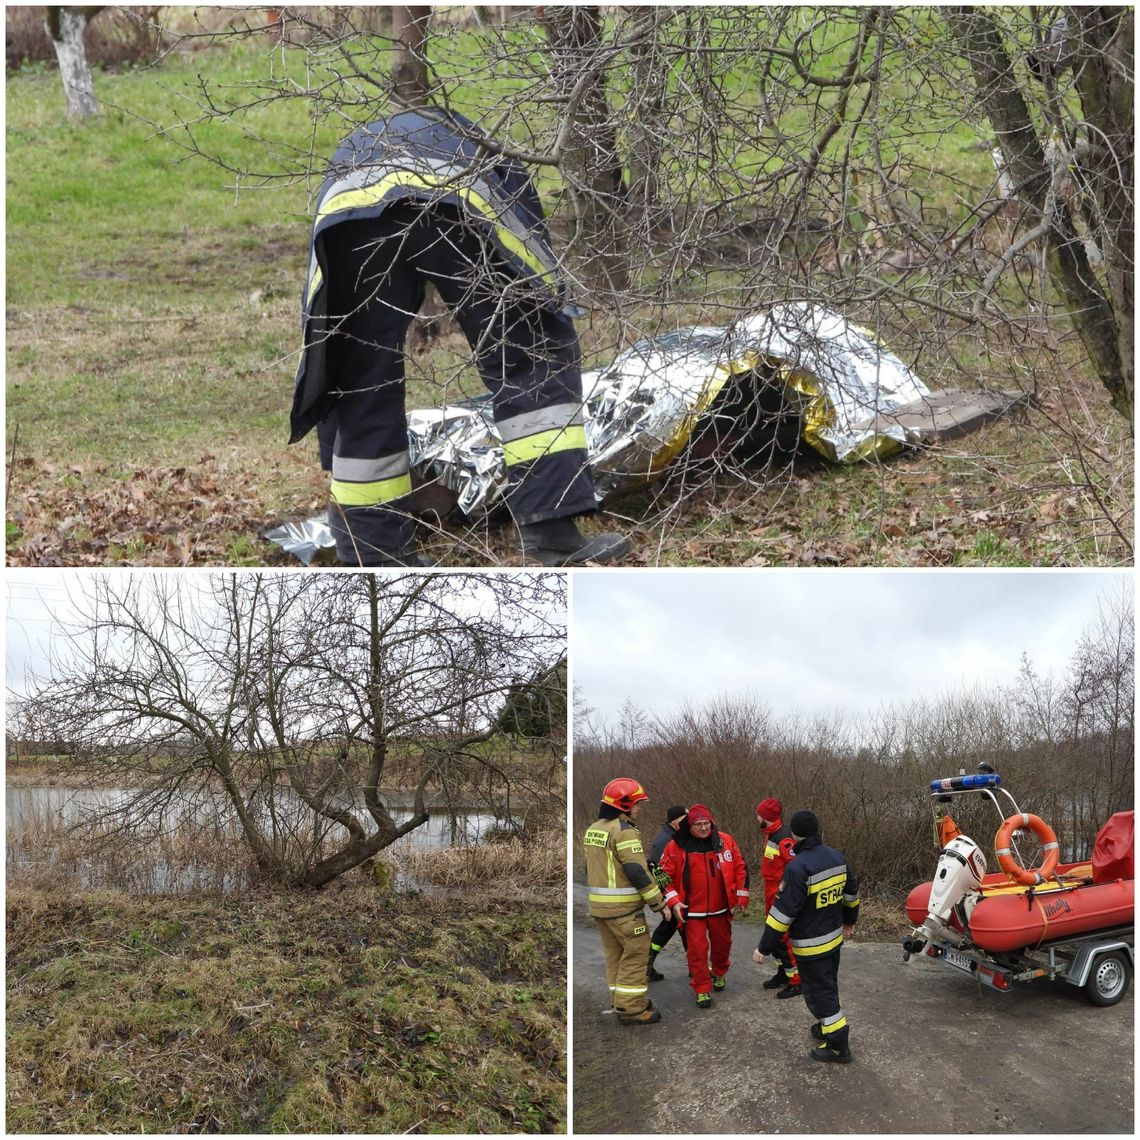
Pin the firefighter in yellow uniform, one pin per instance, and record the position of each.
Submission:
(620, 888)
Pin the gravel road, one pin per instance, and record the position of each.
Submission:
(934, 1052)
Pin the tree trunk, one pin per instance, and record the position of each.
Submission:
(1004, 103)
(590, 165)
(66, 26)
(647, 131)
(1104, 67)
(409, 68)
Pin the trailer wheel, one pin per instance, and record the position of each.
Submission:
(1108, 982)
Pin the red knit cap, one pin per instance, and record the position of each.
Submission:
(698, 812)
(770, 809)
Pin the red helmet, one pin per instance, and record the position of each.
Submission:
(623, 793)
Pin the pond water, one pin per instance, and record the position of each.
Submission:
(39, 809)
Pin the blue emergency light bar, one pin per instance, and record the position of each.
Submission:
(964, 783)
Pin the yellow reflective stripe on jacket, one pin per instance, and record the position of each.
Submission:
(604, 895)
(811, 949)
(830, 883)
(373, 194)
(315, 283)
(775, 923)
(370, 494)
(570, 438)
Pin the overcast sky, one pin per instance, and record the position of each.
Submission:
(812, 641)
(39, 602)
(35, 599)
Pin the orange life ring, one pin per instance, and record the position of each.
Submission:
(1004, 850)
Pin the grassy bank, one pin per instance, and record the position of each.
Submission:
(153, 297)
(338, 1012)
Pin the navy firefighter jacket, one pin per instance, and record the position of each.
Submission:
(818, 896)
(426, 156)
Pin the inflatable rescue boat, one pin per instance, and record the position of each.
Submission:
(1019, 907)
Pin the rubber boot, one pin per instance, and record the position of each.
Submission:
(559, 542)
(654, 975)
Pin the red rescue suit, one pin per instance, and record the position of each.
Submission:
(777, 854)
(710, 877)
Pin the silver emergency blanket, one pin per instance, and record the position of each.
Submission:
(643, 409)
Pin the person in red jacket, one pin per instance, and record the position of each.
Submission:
(777, 854)
(708, 886)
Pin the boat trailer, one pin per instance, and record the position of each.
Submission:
(1099, 962)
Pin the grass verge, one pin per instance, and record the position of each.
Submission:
(343, 1011)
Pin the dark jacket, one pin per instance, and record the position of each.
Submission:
(818, 897)
(426, 156)
(664, 837)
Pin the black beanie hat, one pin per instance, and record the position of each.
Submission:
(804, 824)
(675, 812)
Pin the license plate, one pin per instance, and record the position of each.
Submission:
(959, 961)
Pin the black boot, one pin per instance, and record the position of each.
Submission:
(833, 1047)
(559, 542)
(777, 981)
(394, 558)
(652, 974)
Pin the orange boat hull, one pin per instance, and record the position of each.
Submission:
(1006, 918)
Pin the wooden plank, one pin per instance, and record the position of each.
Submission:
(946, 415)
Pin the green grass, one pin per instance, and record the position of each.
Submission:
(329, 1013)
(153, 299)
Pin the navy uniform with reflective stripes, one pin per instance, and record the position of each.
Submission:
(410, 200)
(819, 895)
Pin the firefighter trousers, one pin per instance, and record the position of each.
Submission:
(787, 959)
(820, 979)
(626, 943)
(783, 952)
(707, 940)
(527, 355)
(663, 933)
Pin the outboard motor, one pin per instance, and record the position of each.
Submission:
(960, 869)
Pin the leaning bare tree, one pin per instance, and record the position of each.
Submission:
(296, 706)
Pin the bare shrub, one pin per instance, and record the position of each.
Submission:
(534, 866)
(42, 850)
(1065, 747)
